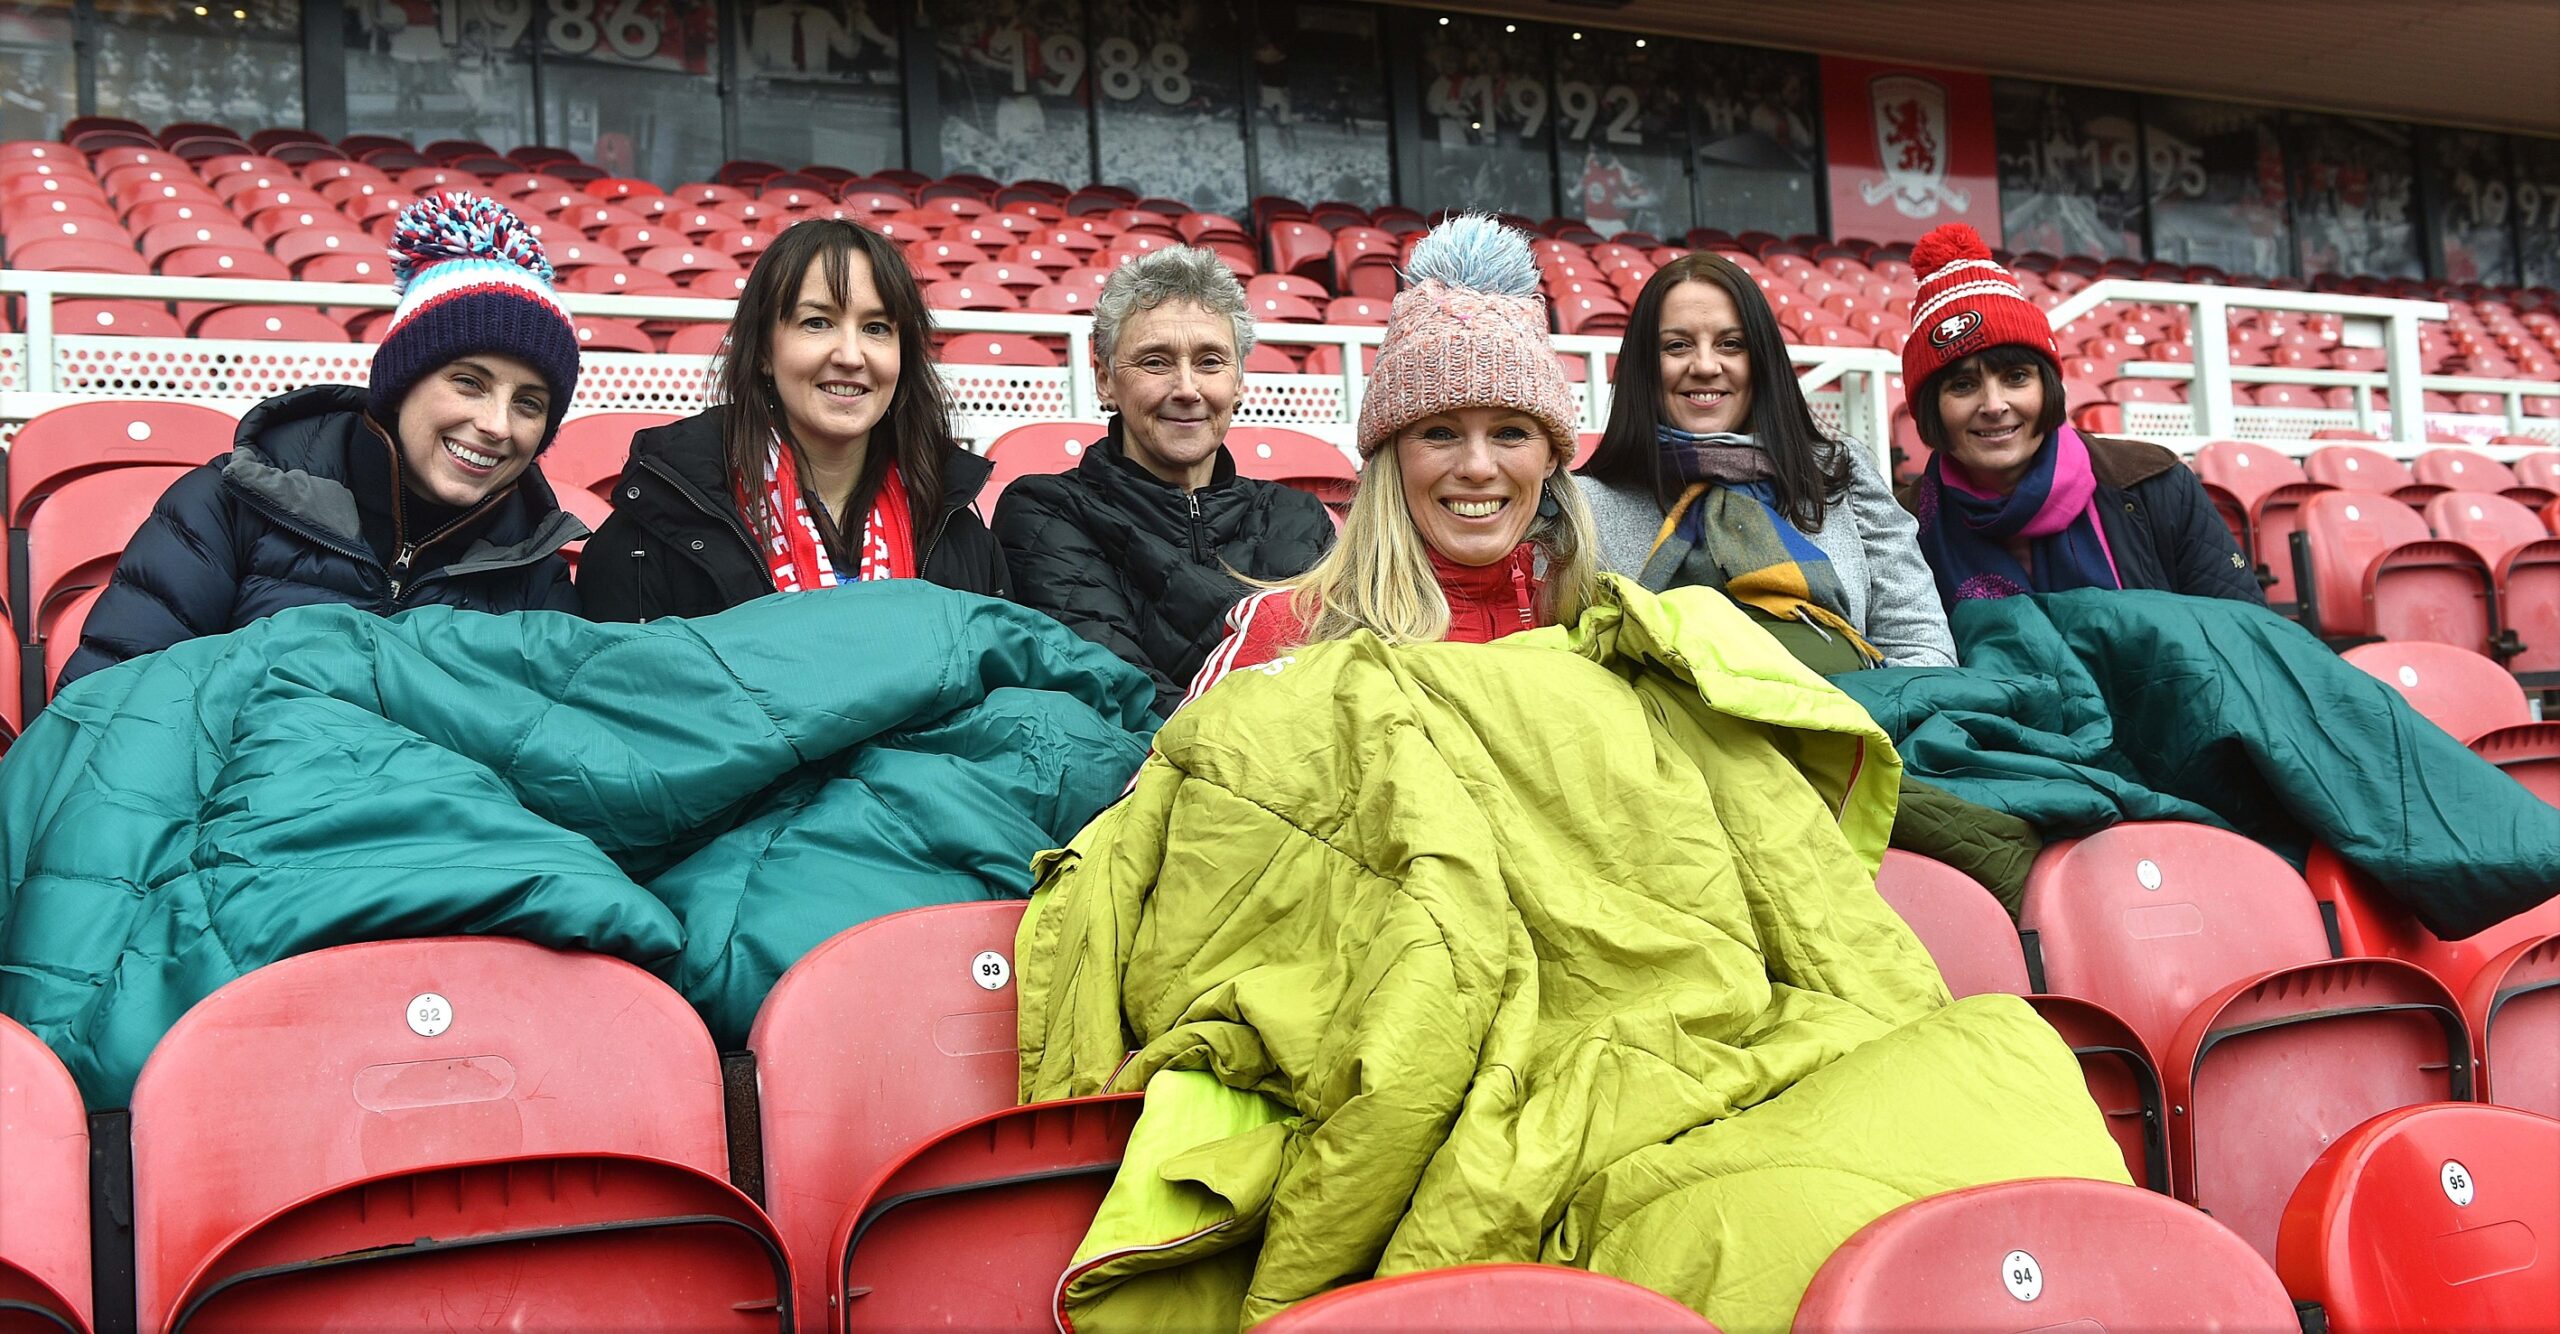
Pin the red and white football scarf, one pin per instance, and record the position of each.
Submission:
(799, 558)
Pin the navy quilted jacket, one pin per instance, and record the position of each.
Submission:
(282, 521)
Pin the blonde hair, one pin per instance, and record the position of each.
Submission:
(1378, 576)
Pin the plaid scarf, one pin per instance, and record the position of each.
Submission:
(1725, 532)
(798, 556)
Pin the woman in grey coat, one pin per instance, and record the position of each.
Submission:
(1713, 471)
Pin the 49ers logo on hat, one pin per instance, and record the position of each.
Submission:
(1945, 332)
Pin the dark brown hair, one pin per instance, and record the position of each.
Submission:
(1812, 469)
(918, 422)
(1992, 360)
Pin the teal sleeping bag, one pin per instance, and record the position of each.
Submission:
(2077, 710)
(707, 798)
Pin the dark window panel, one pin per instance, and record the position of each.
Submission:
(1320, 104)
(2070, 169)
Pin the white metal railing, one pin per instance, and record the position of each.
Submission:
(1849, 386)
(2393, 326)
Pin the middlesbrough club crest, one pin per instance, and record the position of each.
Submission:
(1911, 141)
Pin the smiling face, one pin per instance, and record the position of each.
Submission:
(834, 367)
(1990, 419)
(1706, 367)
(1174, 378)
(1471, 480)
(470, 428)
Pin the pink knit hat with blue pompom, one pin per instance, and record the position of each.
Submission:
(1470, 332)
(471, 279)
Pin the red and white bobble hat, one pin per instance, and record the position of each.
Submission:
(1966, 303)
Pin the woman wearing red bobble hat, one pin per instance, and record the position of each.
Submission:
(2016, 500)
(418, 489)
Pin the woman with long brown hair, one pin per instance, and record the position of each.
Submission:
(827, 459)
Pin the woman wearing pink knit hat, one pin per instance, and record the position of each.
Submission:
(2015, 499)
(1466, 526)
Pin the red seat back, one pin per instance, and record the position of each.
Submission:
(590, 451)
(44, 1220)
(1487, 1297)
(2045, 1254)
(2490, 524)
(1965, 930)
(76, 538)
(2461, 470)
(987, 349)
(376, 1063)
(1038, 447)
(82, 438)
(2528, 752)
(2246, 471)
(2149, 919)
(2357, 468)
(2378, 571)
(2458, 690)
(870, 1045)
(2437, 1217)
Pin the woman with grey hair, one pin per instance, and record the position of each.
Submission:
(1139, 548)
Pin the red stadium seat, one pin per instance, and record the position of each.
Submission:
(2211, 948)
(1285, 284)
(62, 636)
(418, 1127)
(2259, 493)
(1966, 931)
(79, 533)
(1490, 1297)
(590, 451)
(1019, 279)
(2049, 1254)
(1270, 359)
(1282, 309)
(953, 294)
(1063, 299)
(2375, 571)
(1362, 311)
(619, 279)
(2540, 471)
(44, 1231)
(2461, 470)
(1591, 314)
(75, 441)
(1364, 262)
(1038, 447)
(296, 249)
(682, 261)
(77, 254)
(697, 339)
(986, 349)
(1293, 459)
(160, 240)
(2438, 1217)
(599, 334)
(885, 1066)
(2524, 556)
(13, 707)
(2356, 468)
(2529, 753)
(2508, 975)
(2460, 691)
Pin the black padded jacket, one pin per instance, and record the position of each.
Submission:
(307, 508)
(678, 546)
(2162, 528)
(1141, 567)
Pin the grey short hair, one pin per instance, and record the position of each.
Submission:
(1175, 273)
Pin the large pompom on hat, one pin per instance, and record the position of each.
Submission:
(1966, 303)
(1469, 331)
(471, 278)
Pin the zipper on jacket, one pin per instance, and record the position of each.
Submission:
(1528, 601)
(405, 552)
(1199, 551)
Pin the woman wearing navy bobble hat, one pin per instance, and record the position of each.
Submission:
(2015, 499)
(419, 489)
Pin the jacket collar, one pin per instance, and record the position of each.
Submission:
(295, 453)
(2124, 464)
(1506, 591)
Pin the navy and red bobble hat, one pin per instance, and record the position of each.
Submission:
(472, 279)
(1967, 303)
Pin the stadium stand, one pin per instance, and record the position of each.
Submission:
(2231, 1017)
